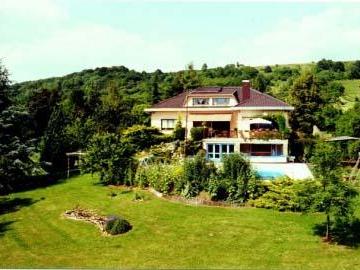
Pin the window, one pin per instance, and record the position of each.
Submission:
(200, 101)
(167, 124)
(218, 150)
(221, 101)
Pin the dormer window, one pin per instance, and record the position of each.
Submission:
(200, 101)
(221, 101)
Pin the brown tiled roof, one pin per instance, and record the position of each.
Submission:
(257, 99)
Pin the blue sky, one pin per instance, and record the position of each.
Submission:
(44, 38)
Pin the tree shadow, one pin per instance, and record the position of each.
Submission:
(5, 226)
(8, 205)
(342, 233)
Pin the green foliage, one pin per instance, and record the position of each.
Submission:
(197, 133)
(179, 131)
(110, 157)
(197, 172)
(237, 171)
(284, 194)
(305, 97)
(326, 159)
(55, 143)
(354, 72)
(348, 123)
(354, 149)
(260, 82)
(142, 137)
(325, 64)
(117, 225)
(164, 178)
(16, 149)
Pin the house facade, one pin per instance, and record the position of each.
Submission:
(234, 119)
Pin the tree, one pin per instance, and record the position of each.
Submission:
(55, 143)
(112, 158)
(260, 83)
(4, 87)
(16, 146)
(267, 69)
(348, 124)
(204, 67)
(305, 97)
(335, 198)
(355, 70)
(191, 79)
(154, 89)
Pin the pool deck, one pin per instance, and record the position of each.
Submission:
(297, 171)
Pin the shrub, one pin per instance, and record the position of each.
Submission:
(179, 131)
(162, 177)
(197, 133)
(284, 194)
(237, 171)
(197, 172)
(117, 225)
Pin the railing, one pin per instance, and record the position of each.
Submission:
(220, 134)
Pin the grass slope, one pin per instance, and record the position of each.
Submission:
(165, 234)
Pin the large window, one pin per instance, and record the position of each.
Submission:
(167, 124)
(217, 150)
(262, 149)
(221, 101)
(200, 101)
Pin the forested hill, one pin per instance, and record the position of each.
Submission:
(65, 112)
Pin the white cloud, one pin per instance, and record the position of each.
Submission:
(89, 46)
(32, 9)
(330, 34)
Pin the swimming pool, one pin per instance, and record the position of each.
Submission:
(269, 174)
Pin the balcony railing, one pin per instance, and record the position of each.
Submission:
(220, 133)
(253, 134)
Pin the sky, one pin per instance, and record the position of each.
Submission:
(47, 38)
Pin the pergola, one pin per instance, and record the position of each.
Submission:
(77, 160)
(355, 172)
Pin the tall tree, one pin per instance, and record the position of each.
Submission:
(305, 97)
(191, 78)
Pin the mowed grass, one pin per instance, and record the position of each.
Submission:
(164, 235)
(352, 90)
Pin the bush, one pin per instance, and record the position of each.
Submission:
(162, 177)
(197, 172)
(117, 225)
(179, 131)
(285, 194)
(237, 171)
(197, 133)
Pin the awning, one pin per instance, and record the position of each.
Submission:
(210, 117)
(245, 124)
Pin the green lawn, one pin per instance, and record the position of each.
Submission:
(165, 234)
(352, 90)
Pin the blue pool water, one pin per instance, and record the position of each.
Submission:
(269, 174)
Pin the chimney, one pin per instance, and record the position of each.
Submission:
(245, 90)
